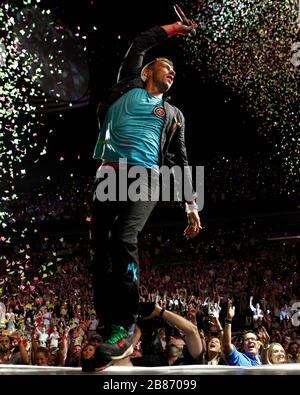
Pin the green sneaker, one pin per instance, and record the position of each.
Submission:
(118, 345)
(117, 333)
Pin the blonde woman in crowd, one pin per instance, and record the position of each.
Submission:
(276, 354)
(273, 353)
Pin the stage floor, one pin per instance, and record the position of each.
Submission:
(284, 369)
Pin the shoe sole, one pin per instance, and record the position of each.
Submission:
(126, 353)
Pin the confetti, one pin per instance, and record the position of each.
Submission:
(18, 116)
(38, 59)
(246, 45)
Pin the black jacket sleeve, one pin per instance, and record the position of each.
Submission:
(133, 60)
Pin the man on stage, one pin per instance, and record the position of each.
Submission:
(137, 127)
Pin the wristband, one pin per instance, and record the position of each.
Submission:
(227, 321)
(162, 312)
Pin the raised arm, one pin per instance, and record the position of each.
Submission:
(34, 345)
(265, 340)
(214, 321)
(251, 304)
(134, 58)
(190, 330)
(226, 341)
(63, 347)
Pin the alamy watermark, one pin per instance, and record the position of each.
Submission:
(136, 183)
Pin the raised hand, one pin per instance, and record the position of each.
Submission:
(264, 336)
(230, 310)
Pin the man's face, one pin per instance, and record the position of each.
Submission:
(162, 74)
(250, 344)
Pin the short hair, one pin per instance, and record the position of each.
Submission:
(150, 65)
(246, 332)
